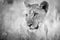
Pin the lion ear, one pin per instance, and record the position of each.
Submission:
(44, 5)
(27, 4)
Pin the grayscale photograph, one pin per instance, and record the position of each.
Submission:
(29, 19)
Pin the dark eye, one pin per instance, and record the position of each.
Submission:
(35, 13)
(44, 5)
